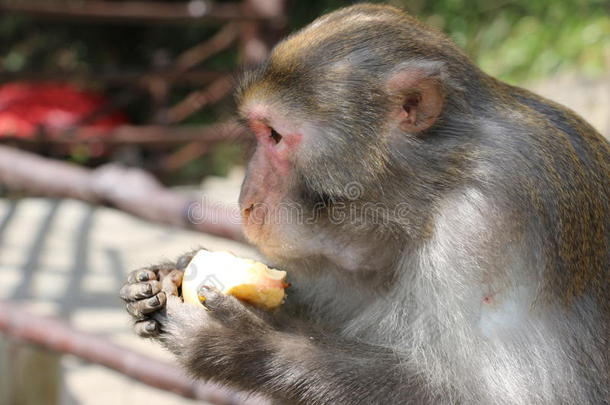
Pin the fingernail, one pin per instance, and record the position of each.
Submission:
(154, 301)
(142, 276)
(150, 327)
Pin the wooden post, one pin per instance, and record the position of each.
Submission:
(28, 375)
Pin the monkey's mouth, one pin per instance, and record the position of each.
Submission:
(274, 242)
(256, 230)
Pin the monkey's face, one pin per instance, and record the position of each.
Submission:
(273, 213)
(310, 154)
(326, 119)
(306, 183)
(304, 198)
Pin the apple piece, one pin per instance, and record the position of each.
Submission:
(245, 279)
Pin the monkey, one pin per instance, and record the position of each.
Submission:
(449, 242)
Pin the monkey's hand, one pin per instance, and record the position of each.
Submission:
(230, 342)
(147, 290)
(213, 340)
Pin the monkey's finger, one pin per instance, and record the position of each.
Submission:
(171, 282)
(161, 274)
(141, 275)
(139, 309)
(147, 328)
(225, 307)
(230, 311)
(138, 291)
(186, 258)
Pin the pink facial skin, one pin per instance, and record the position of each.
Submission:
(279, 154)
(269, 172)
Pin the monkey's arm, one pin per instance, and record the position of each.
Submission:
(282, 356)
(233, 344)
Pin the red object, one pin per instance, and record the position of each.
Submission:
(25, 108)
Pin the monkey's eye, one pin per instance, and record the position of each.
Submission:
(275, 136)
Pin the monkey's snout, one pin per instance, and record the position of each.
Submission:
(248, 210)
(254, 214)
(250, 213)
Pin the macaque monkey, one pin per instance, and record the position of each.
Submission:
(448, 236)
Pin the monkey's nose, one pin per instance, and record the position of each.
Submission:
(248, 210)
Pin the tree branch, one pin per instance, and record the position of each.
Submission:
(129, 189)
(141, 135)
(55, 335)
(144, 11)
(197, 54)
(199, 99)
(142, 79)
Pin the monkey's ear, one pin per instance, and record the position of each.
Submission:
(419, 98)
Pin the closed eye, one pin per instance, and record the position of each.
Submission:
(275, 136)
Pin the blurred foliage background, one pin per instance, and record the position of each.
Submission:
(516, 40)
